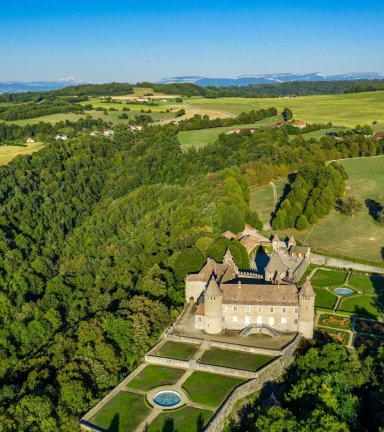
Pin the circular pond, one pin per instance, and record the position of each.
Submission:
(343, 291)
(167, 398)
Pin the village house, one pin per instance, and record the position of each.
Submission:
(277, 125)
(60, 137)
(299, 124)
(228, 235)
(96, 133)
(108, 132)
(164, 100)
(30, 140)
(142, 99)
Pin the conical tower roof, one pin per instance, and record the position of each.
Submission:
(275, 264)
(276, 238)
(307, 290)
(213, 289)
(228, 254)
(292, 240)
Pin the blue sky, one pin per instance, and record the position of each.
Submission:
(129, 41)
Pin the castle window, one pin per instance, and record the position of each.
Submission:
(271, 321)
(259, 320)
(295, 321)
(247, 308)
(234, 319)
(247, 320)
(284, 310)
(259, 309)
(234, 308)
(224, 308)
(199, 319)
(271, 309)
(296, 310)
(223, 319)
(283, 320)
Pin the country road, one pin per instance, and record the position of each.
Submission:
(274, 193)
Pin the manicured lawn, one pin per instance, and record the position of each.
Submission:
(327, 277)
(185, 420)
(337, 335)
(209, 389)
(7, 153)
(372, 283)
(234, 359)
(123, 413)
(361, 305)
(342, 109)
(324, 298)
(360, 237)
(367, 326)
(335, 321)
(176, 350)
(152, 376)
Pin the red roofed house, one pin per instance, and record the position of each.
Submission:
(299, 124)
(228, 235)
(277, 125)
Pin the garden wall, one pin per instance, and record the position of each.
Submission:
(269, 373)
(167, 361)
(338, 263)
(246, 348)
(185, 339)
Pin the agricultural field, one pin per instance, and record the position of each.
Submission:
(369, 306)
(153, 376)
(328, 277)
(234, 359)
(339, 234)
(188, 419)
(202, 137)
(7, 153)
(176, 350)
(324, 299)
(123, 413)
(208, 389)
(342, 109)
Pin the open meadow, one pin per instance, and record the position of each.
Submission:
(342, 109)
(7, 153)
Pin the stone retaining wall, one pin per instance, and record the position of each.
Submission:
(338, 263)
(300, 270)
(240, 373)
(167, 361)
(269, 373)
(246, 348)
(185, 339)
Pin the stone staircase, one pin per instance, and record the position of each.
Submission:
(263, 328)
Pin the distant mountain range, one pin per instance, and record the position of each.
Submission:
(20, 87)
(270, 79)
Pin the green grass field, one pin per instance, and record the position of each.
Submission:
(360, 237)
(262, 199)
(324, 298)
(185, 420)
(328, 277)
(342, 110)
(234, 359)
(327, 333)
(152, 376)
(208, 389)
(7, 153)
(326, 321)
(372, 283)
(176, 350)
(362, 306)
(123, 413)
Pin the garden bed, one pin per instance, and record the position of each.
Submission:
(153, 376)
(188, 419)
(328, 278)
(324, 298)
(336, 335)
(371, 327)
(335, 321)
(176, 350)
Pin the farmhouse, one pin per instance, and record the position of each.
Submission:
(277, 125)
(142, 99)
(164, 100)
(30, 140)
(108, 132)
(299, 124)
(60, 136)
(228, 299)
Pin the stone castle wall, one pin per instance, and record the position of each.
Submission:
(338, 263)
(270, 372)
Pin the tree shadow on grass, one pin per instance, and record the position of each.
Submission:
(373, 208)
(287, 188)
(364, 313)
(169, 425)
(200, 423)
(115, 423)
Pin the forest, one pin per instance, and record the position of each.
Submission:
(96, 238)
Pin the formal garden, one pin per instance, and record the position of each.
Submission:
(323, 278)
(335, 321)
(187, 419)
(235, 359)
(176, 350)
(325, 299)
(210, 389)
(324, 334)
(154, 376)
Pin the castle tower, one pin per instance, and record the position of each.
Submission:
(276, 242)
(228, 258)
(213, 301)
(291, 242)
(306, 309)
(275, 266)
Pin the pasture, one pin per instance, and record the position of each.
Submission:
(360, 237)
(7, 153)
(342, 109)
